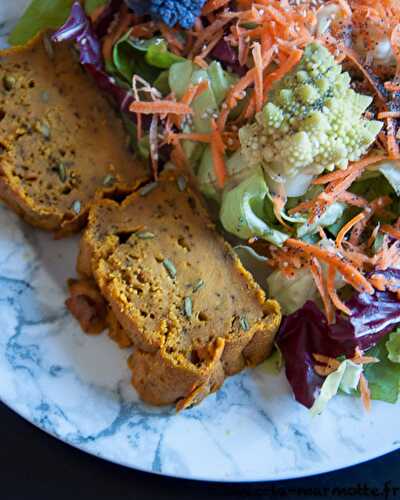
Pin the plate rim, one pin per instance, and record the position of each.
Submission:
(301, 474)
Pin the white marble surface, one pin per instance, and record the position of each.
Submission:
(77, 387)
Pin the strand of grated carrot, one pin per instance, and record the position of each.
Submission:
(346, 228)
(213, 5)
(188, 97)
(316, 272)
(160, 107)
(258, 76)
(173, 43)
(388, 114)
(349, 272)
(352, 199)
(365, 392)
(283, 69)
(391, 231)
(124, 21)
(392, 144)
(341, 174)
(217, 152)
(331, 276)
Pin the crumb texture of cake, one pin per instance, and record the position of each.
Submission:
(62, 144)
(179, 292)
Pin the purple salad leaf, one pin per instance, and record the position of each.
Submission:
(375, 315)
(227, 56)
(78, 28)
(304, 333)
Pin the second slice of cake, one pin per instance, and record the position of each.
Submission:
(179, 292)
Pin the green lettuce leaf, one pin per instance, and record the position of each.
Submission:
(391, 170)
(383, 377)
(293, 293)
(159, 56)
(242, 210)
(39, 16)
(331, 215)
(345, 378)
(129, 58)
(393, 346)
(254, 263)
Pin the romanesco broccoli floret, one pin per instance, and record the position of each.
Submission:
(312, 122)
(170, 12)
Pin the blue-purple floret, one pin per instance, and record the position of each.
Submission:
(171, 12)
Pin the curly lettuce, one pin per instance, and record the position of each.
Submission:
(243, 210)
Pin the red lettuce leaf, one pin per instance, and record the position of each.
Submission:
(373, 316)
(306, 332)
(78, 28)
(228, 57)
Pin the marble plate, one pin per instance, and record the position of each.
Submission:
(77, 387)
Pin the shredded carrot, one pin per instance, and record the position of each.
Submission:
(160, 107)
(190, 95)
(365, 392)
(316, 272)
(217, 151)
(284, 68)
(352, 199)
(388, 114)
(258, 76)
(341, 174)
(391, 231)
(328, 365)
(353, 58)
(349, 272)
(331, 276)
(213, 5)
(392, 144)
(124, 21)
(392, 87)
(346, 228)
(173, 43)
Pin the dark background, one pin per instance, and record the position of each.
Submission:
(35, 466)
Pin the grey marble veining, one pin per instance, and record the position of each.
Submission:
(77, 387)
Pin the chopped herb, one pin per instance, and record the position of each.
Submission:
(249, 25)
(148, 188)
(62, 173)
(244, 324)
(199, 284)
(182, 183)
(188, 307)
(145, 235)
(76, 206)
(169, 266)
(8, 82)
(109, 180)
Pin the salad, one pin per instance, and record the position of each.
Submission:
(287, 113)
